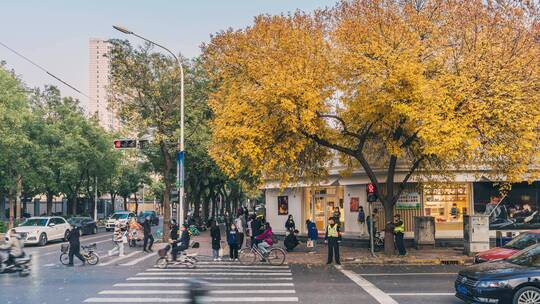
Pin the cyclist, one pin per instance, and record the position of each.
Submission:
(264, 239)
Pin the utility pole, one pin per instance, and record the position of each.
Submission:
(95, 201)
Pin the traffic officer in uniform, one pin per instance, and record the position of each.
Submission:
(333, 238)
(399, 231)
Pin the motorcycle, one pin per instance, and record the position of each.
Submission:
(183, 258)
(21, 264)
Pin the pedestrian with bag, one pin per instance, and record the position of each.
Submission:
(75, 246)
(240, 224)
(333, 239)
(232, 241)
(148, 237)
(215, 234)
(313, 235)
(290, 226)
(118, 239)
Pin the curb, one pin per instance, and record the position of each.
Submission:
(411, 261)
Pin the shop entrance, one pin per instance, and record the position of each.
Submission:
(325, 203)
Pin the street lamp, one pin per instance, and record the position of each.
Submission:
(180, 154)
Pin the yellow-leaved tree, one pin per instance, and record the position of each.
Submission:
(429, 86)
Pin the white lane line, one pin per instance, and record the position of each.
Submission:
(199, 265)
(185, 278)
(423, 294)
(49, 265)
(406, 274)
(215, 278)
(210, 284)
(139, 259)
(120, 258)
(232, 263)
(371, 289)
(165, 291)
(235, 273)
(179, 270)
(182, 300)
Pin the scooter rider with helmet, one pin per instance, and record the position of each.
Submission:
(15, 246)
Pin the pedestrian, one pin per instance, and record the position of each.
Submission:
(337, 216)
(215, 234)
(240, 223)
(173, 239)
(232, 241)
(249, 231)
(264, 239)
(313, 235)
(333, 238)
(361, 215)
(256, 228)
(75, 245)
(118, 239)
(290, 226)
(375, 218)
(399, 231)
(291, 241)
(148, 237)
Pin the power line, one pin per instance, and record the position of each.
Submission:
(44, 70)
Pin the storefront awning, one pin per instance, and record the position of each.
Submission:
(302, 184)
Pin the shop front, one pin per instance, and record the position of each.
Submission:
(447, 203)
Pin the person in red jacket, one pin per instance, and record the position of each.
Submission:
(264, 239)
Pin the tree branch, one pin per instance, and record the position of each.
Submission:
(415, 166)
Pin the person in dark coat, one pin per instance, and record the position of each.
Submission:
(75, 246)
(333, 238)
(183, 243)
(173, 236)
(256, 228)
(147, 229)
(290, 226)
(215, 234)
(232, 240)
(291, 241)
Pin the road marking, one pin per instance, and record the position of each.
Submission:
(217, 278)
(165, 291)
(406, 274)
(139, 260)
(192, 272)
(199, 265)
(120, 258)
(181, 270)
(184, 278)
(49, 265)
(182, 300)
(423, 294)
(210, 284)
(234, 263)
(371, 289)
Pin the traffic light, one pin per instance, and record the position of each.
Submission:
(371, 190)
(125, 144)
(174, 197)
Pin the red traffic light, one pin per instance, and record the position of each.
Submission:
(118, 144)
(371, 189)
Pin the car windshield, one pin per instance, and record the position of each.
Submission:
(119, 216)
(34, 222)
(76, 220)
(522, 241)
(529, 256)
(147, 214)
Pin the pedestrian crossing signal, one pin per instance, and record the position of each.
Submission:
(125, 144)
(371, 190)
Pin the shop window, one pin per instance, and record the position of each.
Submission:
(518, 209)
(447, 204)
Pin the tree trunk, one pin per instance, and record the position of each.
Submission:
(389, 247)
(125, 204)
(18, 199)
(49, 203)
(11, 209)
(136, 204)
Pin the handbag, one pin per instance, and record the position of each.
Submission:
(309, 244)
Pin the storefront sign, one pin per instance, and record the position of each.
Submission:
(408, 200)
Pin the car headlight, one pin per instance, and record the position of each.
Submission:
(492, 284)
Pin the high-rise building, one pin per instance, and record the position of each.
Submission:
(99, 70)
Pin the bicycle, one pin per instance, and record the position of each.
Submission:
(183, 258)
(87, 252)
(275, 256)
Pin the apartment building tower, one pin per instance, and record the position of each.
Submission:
(99, 70)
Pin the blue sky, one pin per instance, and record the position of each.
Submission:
(55, 33)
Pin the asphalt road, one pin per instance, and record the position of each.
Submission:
(134, 279)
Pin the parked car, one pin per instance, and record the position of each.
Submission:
(154, 219)
(122, 216)
(87, 224)
(517, 244)
(40, 230)
(515, 280)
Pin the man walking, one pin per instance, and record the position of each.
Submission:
(147, 229)
(333, 238)
(399, 231)
(75, 246)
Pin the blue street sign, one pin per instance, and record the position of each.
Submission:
(180, 156)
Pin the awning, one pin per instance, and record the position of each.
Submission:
(301, 184)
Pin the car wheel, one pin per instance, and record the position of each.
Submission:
(94, 230)
(527, 295)
(66, 235)
(43, 239)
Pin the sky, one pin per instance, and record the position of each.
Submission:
(55, 33)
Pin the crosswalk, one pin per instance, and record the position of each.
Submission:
(224, 282)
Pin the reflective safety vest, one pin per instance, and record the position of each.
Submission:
(333, 231)
(399, 228)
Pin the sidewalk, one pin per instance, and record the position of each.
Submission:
(354, 255)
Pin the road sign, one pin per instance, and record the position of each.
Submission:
(180, 156)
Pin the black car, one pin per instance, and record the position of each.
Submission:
(154, 219)
(515, 280)
(87, 224)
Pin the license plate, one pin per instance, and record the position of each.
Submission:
(462, 289)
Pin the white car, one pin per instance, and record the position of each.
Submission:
(123, 217)
(40, 230)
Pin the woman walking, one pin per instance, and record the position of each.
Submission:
(232, 240)
(313, 235)
(119, 236)
(216, 241)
